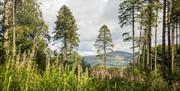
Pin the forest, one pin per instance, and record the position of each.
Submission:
(28, 63)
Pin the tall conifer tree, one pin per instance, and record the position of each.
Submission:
(104, 43)
(66, 31)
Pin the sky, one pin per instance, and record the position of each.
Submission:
(90, 15)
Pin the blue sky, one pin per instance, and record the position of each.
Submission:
(90, 16)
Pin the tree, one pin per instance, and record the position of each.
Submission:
(6, 25)
(29, 17)
(104, 43)
(156, 28)
(163, 38)
(13, 26)
(175, 20)
(169, 43)
(150, 12)
(31, 30)
(127, 11)
(66, 31)
(143, 24)
(173, 35)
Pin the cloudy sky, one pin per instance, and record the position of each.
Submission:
(90, 16)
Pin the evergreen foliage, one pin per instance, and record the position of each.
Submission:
(104, 43)
(66, 31)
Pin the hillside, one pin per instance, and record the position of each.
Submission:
(115, 59)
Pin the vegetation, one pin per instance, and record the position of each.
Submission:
(104, 43)
(27, 63)
(66, 31)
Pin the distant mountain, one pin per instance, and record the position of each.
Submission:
(115, 59)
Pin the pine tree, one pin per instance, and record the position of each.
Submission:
(66, 31)
(127, 11)
(104, 43)
(148, 21)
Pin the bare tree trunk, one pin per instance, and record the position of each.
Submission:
(140, 44)
(177, 35)
(164, 38)
(149, 61)
(178, 18)
(173, 37)
(65, 51)
(145, 49)
(169, 46)
(133, 34)
(14, 26)
(175, 64)
(105, 50)
(6, 26)
(173, 49)
(155, 59)
(179, 30)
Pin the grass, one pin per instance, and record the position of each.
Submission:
(23, 75)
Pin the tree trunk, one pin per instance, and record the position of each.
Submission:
(140, 40)
(178, 18)
(65, 50)
(145, 49)
(175, 63)
(6, 26)
(179, 30)
(173, 37)
(14, 27)
(156, 27)
(133, 34)
(149, 61)
(177, 34)
(105, 49)
(173, 49)
(164, 38)
(169, 46)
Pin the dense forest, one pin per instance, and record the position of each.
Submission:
(27, 63)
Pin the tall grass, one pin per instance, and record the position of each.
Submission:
(22, 74)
